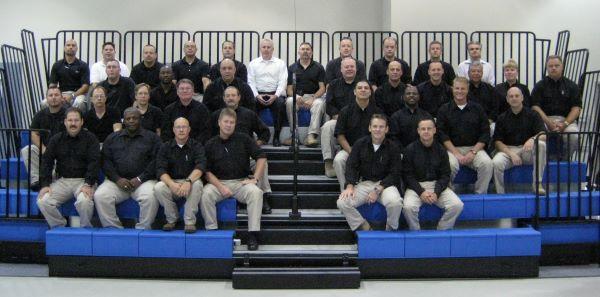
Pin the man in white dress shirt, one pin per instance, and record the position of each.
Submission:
(98, 70)
(474, 48)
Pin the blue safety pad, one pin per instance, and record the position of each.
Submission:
(380, 244)
(10, 164)
(518, 242)
(22, 230)
(24, 203)
(65, 241)
(563, 171)
(303, 118)
(226, 210)
(266, 116)
(427, 244)
(112, 242)
(215, 244)
(570, 233)
(575, 199)
(465, 175)
(473, 243)
(501, 206)
(373, 212)
(160, 244)
(25, 138)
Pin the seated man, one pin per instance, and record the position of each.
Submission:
(434, 92)
(50, 118)
(388, 95)
(511, 76)
(228, 174)
(195, 112)
(98, 70)
(378, 72)
(128, 161)
(372, 172)
(464, 130)
(482, 93)
(334, 67)
(192, 68)
(179, 164)
(310, 88)
(352, 124)
(120, 89)
(78, 172)
(148, 69)
(228, 52)
(558, 101)
(101, 120)
(166, 92)
(426, 172)
(213, 96)
(152, 116)
(403, 124)
(435, 55)
(516, 130)
(72, 76)
(474, 50)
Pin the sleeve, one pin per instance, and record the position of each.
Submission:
(379, 100)
(361, 70)
(353, 165)
(150, 170)
(330, 71)
(47, 159)
(443, 173)
(36, 121)
(124, 70)
(394, 167)
(254, 150)
(373, 74)
(166, 129)
(574, 95)
(484, 127)
(490, 76)
(108, 165)
(290, 78)
(113, 115)
(419, 75)
(526, 96)
(538, 123)
(406, 76)
(93, 156)
(204, 133)
(449, 74)
(330, 107)
(95, 73)
(321, 76)
(54, 74)
(214, 123)
(131, 90)
(214, 72)
(210, 97)
(162, 160)
(252, 79)
(442, 124)
(499, 132)
(262, 131)
(135, 75)
(340, 125)
(283, 79)
(199, 157)
(242, 72)
(85, 74)
(176, 67)
(463, 69)
(158, 119)
(408, 171)
(204, 70)
(248, 100)
(495, 103)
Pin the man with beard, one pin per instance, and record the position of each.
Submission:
(166, 92)
(403, 124)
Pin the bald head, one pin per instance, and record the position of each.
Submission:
(181, 130)
(227, 69)
(514, 97)
(348, 68)
(394, 72)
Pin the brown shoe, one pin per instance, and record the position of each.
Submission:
(541, 190)
(190, 228)
(329, 171)
(168, 227)
(287, 142)
(311, 140)
(365, 227)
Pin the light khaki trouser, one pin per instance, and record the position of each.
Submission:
(249, 194)
(166, 198)
(316, 113)
(503, 162)
(34, 170)
(339, 165)
(61, 191)
(448, 201)
(328, 141)
(572, 140)
(263, 182)
(109, 195)
(481, 163)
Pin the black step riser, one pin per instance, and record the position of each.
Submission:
(290, 236)
(326, 200)
(303, 156)
(295, 279)
(304, 168)
(303, 187)
(257, 261)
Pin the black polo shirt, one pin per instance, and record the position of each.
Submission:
(339, 94)
(389, 98)
(422, 73)
(403, 125)
(556, 97)
(247, 122)
(152, 119)
(240, 71)
(464, 127)
(307, 79)
(128, 156)
(230, 158)
(195, 112)
(484, 95)
(70, 77)
(161, 98)
(179, 161)
(333, 70)
(46, 120)
(120, 95)
(515, 129)
(378, 71)
(76, 157)
(421, 163)
(142, 74)
(432, 97)
(213, 97)
(101, 127)
(353, 122)
(502, 89)
(364, 163)
(194, 72)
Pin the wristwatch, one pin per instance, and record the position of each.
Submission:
(188, 180)
(473, 151)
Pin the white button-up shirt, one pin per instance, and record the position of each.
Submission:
(98, 71)
(488, 71)
(267, 76)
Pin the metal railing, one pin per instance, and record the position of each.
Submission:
(169, 45)
(286, 44)
(562, 43)
(33, 64)
(414, 46)
(22, 99)
(576, 65)
(209, 45)
(368, 45)
(7, 120)
(589, 120)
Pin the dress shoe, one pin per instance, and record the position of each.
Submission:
(35, 186)
(311, 140)
(252, 241)
(189, 229)
(276, 141)
(541, 190)
(329, 171)
(287, 142)
(168, 227)
(266, 208)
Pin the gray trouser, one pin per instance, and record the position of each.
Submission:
(503, 162)
(249, 194)
(34, 170)
(448, 201)
(572, 140)
(316, 113)
(80, 101)
(328, 140)
(109, 195)
(263, 182)
(339, 165)
(166, 199)
(390, 198)
(62, 191)
(481, 163)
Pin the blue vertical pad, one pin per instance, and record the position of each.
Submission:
(427, 244)
(112, 242)
(380, 244)
(65, 241)
(161, 244)
(215, 244)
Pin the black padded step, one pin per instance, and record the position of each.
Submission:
(296, 278)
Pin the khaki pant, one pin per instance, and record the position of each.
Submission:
(166, 198)
(481, 163)
(62, 191)
(109, 195)
(328, 141)
(249, 194)
(316, 114)
(263, 182)
(339, 165)
(390, 198)
(571, 140)
(503, 162)
(448, 201)
(34, 170)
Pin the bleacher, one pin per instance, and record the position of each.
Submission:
(306, 242)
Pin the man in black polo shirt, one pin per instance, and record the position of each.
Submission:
(77, 156)
(334, 68)
(352, 124)
(195, 112)
(120, 89)
(482, 93)
(166, 92)
(147, 70)
(464, 130)
(193, 69)
(426, 173)
(511, 76)
(434, 92)
(129, 163)
(179, 165)
(71, 76)
(435, 55)
(228, 52)
(388, 96)
(310, 88)
(558, 101)
(373, 169)
(152, 116)
(50, 118)
(403, 123)
(229, 175)
(213, 96)
(340, 92)
(101, 120)
(516, 130)
(378, 70)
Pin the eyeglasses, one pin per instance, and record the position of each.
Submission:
(181, 127)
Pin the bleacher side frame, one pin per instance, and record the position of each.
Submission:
(169, 45)
(209, 45)
(361, 41)
(414, 46)
(286, 44)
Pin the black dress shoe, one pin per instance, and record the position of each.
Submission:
(35, 186)
(276, 141)
(252, 242)
(266, 208)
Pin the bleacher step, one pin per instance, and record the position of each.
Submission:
(296, 255)
(296, 278)
(306, 183)
(306, 200)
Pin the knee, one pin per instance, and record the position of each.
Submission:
(43, 202)
(456, 207)
(498, 163)
(343, 204)
(161, 188)
(83, 201)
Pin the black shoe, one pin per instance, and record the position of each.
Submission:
(266, 208)
(252, 241)
(276, 141)
(35, 186)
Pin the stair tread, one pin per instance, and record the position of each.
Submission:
(312, 249)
